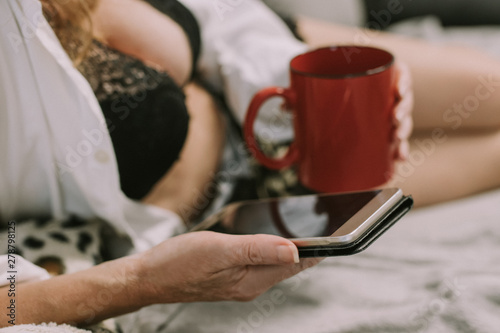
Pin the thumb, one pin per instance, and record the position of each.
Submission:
(263, 250)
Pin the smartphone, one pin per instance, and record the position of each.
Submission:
(320, 225)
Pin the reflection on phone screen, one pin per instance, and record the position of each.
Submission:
(297, 217)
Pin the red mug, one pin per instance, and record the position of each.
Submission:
(342, 100)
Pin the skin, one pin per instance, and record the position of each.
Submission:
(183, 189)
(222, 267)
(148, 35)
(213, 267)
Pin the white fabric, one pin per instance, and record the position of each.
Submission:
(45, 328)
(57, 156)
(345, 12)
(246, 47)
(23, 270)
(20, 271)
(430, 28)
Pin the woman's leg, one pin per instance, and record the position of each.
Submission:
(444, 167)
(456, 149)
(455, 87)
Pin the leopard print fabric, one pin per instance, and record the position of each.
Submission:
(60, 246)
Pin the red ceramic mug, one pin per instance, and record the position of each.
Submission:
(342, 100)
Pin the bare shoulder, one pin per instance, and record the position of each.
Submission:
(136, 28)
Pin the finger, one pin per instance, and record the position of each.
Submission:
(404, 79)
(403, 132)
(261, 278)
(405, 89)
(261, 250)
(401, 137)
(275, 274)
(403, 118)
(403, 151)
(404, 108)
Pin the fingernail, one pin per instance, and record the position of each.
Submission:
(287, 252)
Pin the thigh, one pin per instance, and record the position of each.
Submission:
(456, 88)
(444, 167)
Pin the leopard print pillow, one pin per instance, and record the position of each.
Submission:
(59, 246)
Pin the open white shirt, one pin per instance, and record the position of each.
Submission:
(56, 154)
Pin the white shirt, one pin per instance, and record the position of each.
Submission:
(56, 154)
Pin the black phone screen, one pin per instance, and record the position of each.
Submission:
(294, 217)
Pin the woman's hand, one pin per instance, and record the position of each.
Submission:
(403, 112)
(199, 266)
(208, 266)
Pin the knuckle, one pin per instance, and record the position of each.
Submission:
(250, 253)
(310, 262)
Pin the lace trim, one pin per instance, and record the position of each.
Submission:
(112, 74)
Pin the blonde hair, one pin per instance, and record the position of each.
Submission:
(72, 23)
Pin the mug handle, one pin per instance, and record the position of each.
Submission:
(292, 155)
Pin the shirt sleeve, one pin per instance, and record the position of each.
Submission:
(15, 269)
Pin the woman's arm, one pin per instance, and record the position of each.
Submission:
(200, 266)
(81, 298)
(188, 186)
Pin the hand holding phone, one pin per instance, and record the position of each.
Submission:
(320, 225)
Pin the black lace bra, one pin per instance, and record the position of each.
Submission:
(144, 108)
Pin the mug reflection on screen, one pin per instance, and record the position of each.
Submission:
(301, 217)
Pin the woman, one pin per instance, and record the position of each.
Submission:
(140, 279)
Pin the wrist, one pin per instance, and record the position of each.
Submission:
(128, 282)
